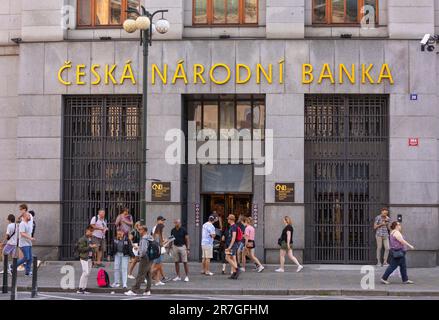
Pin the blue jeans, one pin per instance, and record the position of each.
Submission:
(27, 258)
(121, 265)
(394, 264)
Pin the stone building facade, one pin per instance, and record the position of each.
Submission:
(34, 136)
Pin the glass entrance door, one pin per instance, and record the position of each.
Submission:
(225, 204)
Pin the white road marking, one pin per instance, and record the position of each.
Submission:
(57, 297)
(301, 298)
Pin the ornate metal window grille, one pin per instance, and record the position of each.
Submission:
(346, 175)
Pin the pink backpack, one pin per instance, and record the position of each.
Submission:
(103, 279)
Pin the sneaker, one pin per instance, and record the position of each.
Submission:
(28, 274)
(408, 282)
(177, 278)
(299, 268)
(279, 270)
(147, 293)
(146, 281)
(236, 275)
(130, 276)
(186, 279)
(20, 268)
(384, 281)
(165, 279)
(80, 291)
(260, 268)
(115, 285)
(223, 272)
(209, 273)
(85, 292)
(38, 263)
(385, 265)
(159, 283)
(233, 276)
(130, 293)
(242, 269)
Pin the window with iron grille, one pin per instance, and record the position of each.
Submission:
(346, 175)
(102, 159)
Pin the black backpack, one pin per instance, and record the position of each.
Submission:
(153, 251)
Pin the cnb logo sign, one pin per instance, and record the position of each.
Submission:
(281, 187)
(157, 186)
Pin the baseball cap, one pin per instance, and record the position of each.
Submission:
(161, 218)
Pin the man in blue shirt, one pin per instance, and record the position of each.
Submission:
(207, 236)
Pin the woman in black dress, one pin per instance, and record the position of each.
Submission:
(286, 241)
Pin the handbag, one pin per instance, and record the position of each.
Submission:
(398, 253)
(250, 244)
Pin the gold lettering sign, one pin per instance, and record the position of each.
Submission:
(161, 191)
(284, 192)
(221, 74)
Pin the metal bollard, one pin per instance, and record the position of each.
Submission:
(5, 274)
(14, 279)
(34, 277)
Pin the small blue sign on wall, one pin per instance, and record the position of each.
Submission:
(414, 97)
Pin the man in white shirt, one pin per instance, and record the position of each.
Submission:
(207, 236)
(25, 243)
(99, 225)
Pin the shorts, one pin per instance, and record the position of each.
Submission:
(241, 246)
(284, 246)
(180, 253)
(158, 260)
(207, 252)
(99, 242)
(233, 250)
(9, 250)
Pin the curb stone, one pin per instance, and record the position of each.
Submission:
(262, 292)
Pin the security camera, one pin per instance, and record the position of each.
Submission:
(425, 39)
(428, 41)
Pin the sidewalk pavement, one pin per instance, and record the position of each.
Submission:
(338, 280)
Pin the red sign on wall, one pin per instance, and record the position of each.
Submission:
(413, 142)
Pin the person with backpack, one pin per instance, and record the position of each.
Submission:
(232, 239)
(122, 251)
(241, 244)
(25, 243)
(147, 251)
(85, 249)
(124, 222)
(134, 237)
(285, 242)
(99, 225)
(10, 240)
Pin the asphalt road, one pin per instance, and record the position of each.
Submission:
(97, 296)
